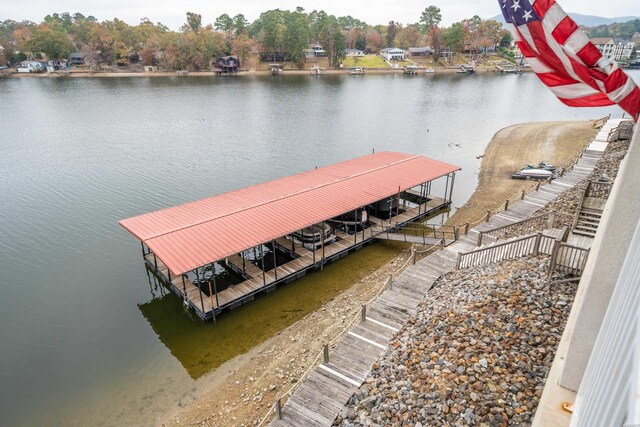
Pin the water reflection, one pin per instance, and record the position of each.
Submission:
(201, 347)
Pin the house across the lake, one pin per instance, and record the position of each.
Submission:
(353, 52)
(420, 51)
(392, 54)
(76, 58)
(31, 67)
(226, 64)
(274, 57)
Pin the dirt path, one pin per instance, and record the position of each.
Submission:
(240, 392)
(512, 148)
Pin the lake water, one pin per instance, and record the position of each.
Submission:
(85, 336)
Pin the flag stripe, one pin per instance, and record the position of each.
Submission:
(565, 60)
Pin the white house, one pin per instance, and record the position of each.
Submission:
(605, 45)
(30, 67)
(392, 54)
(353, 52)
(612, 50)
(623, 51)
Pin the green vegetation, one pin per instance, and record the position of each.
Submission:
(368, 61)
(624, 30)
(197, 43)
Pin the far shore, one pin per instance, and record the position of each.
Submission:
(287, 71)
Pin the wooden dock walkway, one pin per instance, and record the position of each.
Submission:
(323, 394)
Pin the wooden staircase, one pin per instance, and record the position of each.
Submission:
(592, 205)
(587, 222)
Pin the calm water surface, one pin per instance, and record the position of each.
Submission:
(86, 337)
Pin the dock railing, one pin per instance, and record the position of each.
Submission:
(447, 232)
(520, 247)
(277, 406)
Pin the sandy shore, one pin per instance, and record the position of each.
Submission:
(242, 390)
(512, 148)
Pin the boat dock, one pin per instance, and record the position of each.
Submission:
(250, 235)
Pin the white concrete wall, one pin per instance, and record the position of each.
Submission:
(619, 220)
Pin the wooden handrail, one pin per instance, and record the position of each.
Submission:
(503, 229)
(505, 250)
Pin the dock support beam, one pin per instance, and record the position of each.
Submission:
(215, 290)
(275, 261)
(200, 290)
(264, 276)
(453, 179)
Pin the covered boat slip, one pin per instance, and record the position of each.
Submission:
(272, 233)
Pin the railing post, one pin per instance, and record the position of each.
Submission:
(390, 281)
(413, 257)
(466, 229)
(488, 216)
(552, 263)
(442, 242)
(278, 407)
(506, 205)
(325, 353)
(479, 242)
(522, 195)
(536, 245)
(458, 261)
(363, 313)
(538, 186)
(455, 233)
(551, 220)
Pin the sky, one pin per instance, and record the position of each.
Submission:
(172, 13)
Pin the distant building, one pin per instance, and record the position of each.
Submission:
(392, 54)
(610, 49)
(76, 58)
(31, 67)
(226, 64)
(353, 52)
(605, 45)
(623, 51)
(56, 65)
(318, 51)
(420, 51)
(274, 57)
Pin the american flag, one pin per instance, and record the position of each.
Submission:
(565, 60)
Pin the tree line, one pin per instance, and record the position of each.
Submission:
(196, 44)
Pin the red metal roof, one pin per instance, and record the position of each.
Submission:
(188, 236)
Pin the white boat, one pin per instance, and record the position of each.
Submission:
(430, 70)
(531, 173)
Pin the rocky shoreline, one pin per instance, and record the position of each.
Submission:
(481, 345)
(477, 353)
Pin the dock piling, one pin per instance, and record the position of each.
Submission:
(325, 353)
(278, 408)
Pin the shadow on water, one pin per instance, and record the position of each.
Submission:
(201, 347)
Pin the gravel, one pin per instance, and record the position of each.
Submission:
(477, 352)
